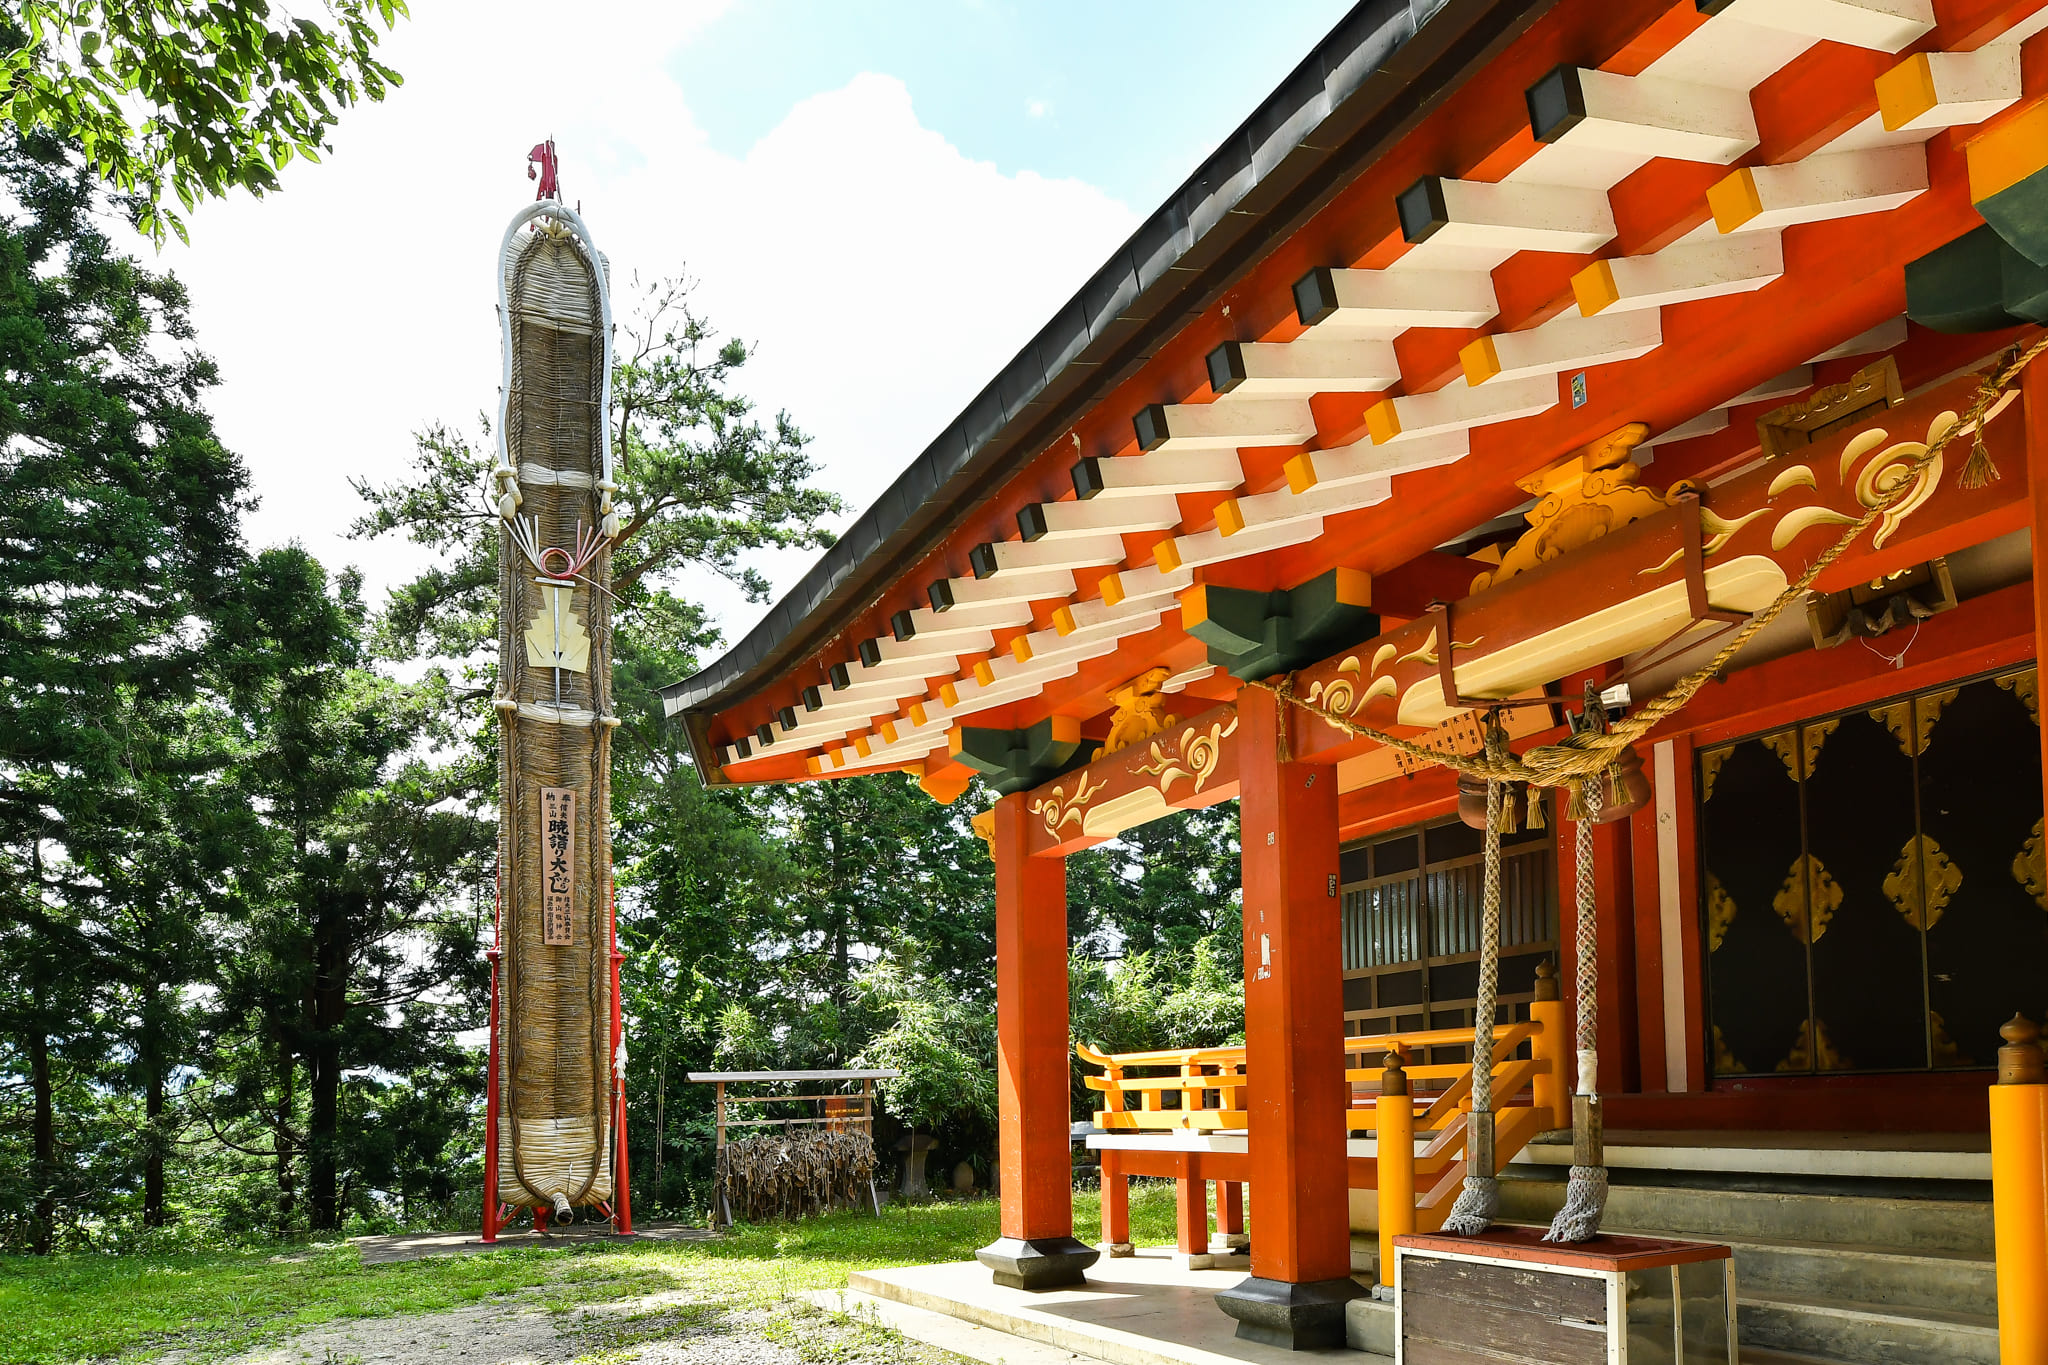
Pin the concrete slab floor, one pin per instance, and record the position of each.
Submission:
(1134, 1310)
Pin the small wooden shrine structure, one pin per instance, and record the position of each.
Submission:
(1513, 363)
(832, 1108)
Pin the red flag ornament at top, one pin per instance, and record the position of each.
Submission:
(550, 183)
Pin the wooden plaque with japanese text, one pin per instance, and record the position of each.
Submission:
(558, 867)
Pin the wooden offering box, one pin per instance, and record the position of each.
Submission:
(1509, 1296)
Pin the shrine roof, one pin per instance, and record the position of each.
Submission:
(1464, 240)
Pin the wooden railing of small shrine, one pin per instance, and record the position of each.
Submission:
(1416, 1184)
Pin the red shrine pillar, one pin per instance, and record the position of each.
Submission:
(1037, 1249)
(1294, 1044)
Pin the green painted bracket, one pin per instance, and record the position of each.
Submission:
(1257, 634)
(1018, 760)
(1977, 283)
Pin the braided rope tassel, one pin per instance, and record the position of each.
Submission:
(1479, 1201)
(1585, 1192)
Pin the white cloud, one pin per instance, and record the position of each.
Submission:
(1036, 108)
(885, 276)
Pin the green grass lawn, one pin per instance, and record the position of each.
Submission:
(83, 1307)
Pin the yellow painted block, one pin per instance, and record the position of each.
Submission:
(1065, 729)
(1063, 621)
(1166, 555)
(1229, 517)
(1301, 472)
(955, 739)
(1382, 423)
(1112, 589)
(862, 747)
(815, 764)
(1020, 649)
(985, 673)
(1354, 587)
(1194, 607)
(949, 694)
(1906, 91)
(1734, 200)
(1594, 288)
(887, 730)
(2008, 153)
(839, 758)
(916, 713)
(1480, 359)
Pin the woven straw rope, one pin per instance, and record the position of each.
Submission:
(556, 1069)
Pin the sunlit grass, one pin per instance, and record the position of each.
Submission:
(84, 1307)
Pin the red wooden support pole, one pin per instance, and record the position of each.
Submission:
(1294, 1042)
(1191, 1216)
(622, 1175)
(1230, 1211)
(491, 1085)
(1038, 1249)
(1116, 1205)
(2034, 391)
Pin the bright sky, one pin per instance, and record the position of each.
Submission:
(888, 198)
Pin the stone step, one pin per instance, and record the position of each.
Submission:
(1842, 1330)
(1885, 1278)
(1898, 1225)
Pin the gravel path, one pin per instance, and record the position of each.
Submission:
(662, 1330)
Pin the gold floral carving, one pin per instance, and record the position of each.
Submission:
(1898, 718)
(1582, 499)
(1927, 711)
(1885, 472)
(1724, 1060)
(1340, 693)
(2030, 866)
(1140, 711)
(1710, 768)
(2026, 685)
(1946, 1053)
(1799, 748)
(1059, 810)
(1193, 755)
(1720, 913)
(1814, 1051)
(1809, 897)
(1903, 885)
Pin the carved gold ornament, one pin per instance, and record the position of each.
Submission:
(2026, 685)
(1814, 1051)
(1192, 755)
(1724, 1060)
(1886, 471)
(1710, 768)
(1898, 718)
(1140, 711)
(1341, 692)
(1903, 884)
(1059, 810)
(1946, 1053)
(1580, 499)
(1720, 913)
(2030, 866)
(1808, 899)
(1799, 755)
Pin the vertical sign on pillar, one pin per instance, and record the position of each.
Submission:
(558, 873)
(1294, 1043)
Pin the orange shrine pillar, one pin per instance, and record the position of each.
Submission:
(1294, 1044)
(1038, 1249)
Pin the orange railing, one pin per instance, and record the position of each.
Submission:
(1416, 1184)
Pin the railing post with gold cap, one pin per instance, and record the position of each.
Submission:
(1548, 1047)
(2019, 1194)
(1396, 1163)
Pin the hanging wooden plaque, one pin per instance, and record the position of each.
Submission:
(558, 864)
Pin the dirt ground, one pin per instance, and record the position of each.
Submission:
(661, 1330)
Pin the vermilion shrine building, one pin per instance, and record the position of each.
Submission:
(1509, 346)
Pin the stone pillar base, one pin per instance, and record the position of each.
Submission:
(1046, 1263)
(1295, 1317)
(1117, 1249)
